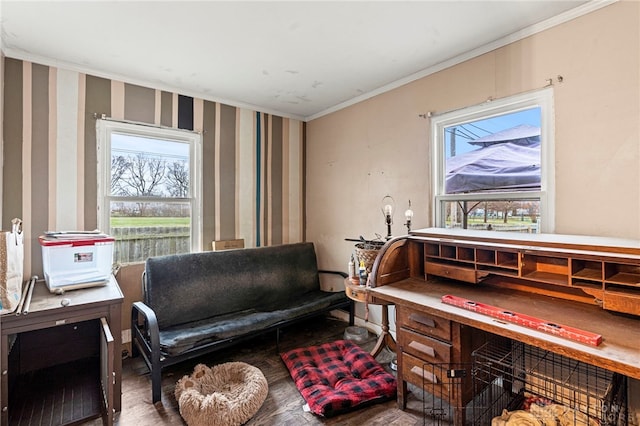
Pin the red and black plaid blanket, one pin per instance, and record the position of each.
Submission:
(337, 377)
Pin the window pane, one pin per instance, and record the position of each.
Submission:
(143, 167)
(144, 229)
(500, 153)
(148, 180)
(496, 215)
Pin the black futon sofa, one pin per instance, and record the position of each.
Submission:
(199, 302)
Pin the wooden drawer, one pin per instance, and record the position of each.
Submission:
(424, 347)
(619, 301)
(427, 377)
(356, 293)
(424, 323)
(451, 271)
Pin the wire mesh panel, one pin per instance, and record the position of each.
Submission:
(445, 387)
(539, 384)
(493, 383)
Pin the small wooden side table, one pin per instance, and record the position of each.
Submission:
(81, 313)
(359, 293)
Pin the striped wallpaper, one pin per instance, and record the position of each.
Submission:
(253, 163)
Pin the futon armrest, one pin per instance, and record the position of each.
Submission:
(146, 336)
(148, 313)
(342, 274)
(149, 330)
(332, 283)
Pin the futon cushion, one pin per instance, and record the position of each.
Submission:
(182, 338)
(337, 377)
(183, 288)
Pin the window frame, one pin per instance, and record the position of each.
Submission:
(544, 99)
(105, 128)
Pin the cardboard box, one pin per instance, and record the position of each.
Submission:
(227, 244)
(76, 263)
(128, 277)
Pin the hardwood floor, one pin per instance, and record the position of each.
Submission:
(283, 405)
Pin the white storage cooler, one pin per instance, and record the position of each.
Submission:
(76, 262)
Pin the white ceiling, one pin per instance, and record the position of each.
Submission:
(298, 59)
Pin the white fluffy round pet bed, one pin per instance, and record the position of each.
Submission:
(223, 395)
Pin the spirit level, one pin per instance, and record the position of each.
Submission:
(525, 320)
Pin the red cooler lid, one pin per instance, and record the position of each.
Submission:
(52, 239)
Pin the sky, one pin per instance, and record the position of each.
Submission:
(477, 129)
(129, 144)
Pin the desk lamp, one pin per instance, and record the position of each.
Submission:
(387, 211)
(408, 214)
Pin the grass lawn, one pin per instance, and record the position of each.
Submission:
(498, 222)
(512, 220)
(136, 222)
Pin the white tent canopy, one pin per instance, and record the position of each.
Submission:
(506, 160)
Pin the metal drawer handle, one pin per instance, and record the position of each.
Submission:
(429, 322)
(426, 375)
(421, 347)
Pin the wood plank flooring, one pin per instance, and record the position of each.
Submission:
(283, 405)
(77, 396)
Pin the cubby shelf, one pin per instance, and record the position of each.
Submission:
(499, 270)
(588, 274)
(507, 260)
(607, 275)
(624, 278)
(547, 277)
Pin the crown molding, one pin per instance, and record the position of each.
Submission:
(511, 38)
(47, 61)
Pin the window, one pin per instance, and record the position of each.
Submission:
(493, 165)
(148, 189)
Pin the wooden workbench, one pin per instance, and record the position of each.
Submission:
(618, 352)
(570, 282)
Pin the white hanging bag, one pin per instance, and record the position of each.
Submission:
(11, 265)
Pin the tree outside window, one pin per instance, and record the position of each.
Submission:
(148, 194)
